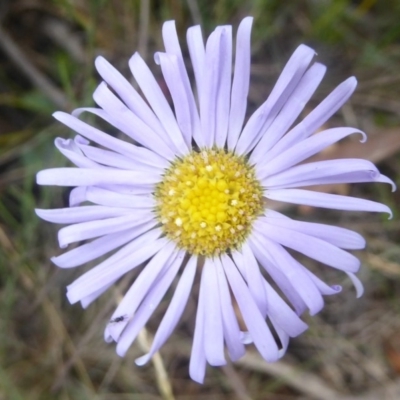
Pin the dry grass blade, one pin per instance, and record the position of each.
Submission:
(305, 382)
(31, 72)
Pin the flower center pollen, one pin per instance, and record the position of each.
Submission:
(208, 200)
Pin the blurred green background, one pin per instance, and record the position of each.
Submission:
(51, 350)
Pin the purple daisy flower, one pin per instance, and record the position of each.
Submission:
(189, 191)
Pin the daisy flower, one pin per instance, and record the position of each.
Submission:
(187, 193)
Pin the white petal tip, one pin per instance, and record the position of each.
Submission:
(142, 360)
(121, 352)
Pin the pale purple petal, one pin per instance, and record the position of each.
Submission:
(86, 301)
(94, 177)
(248, 266)
(172, 46)
(325, 289)
(321, 172)
(241, 80)
(100, 276)
(259, 331)
(98, 247)
(81, 214)
(276, 274)
(326, 200)
(174, 311)
(283, 337)
(296, 275)
(139, 289)
(153, 298)
(290, 112)
(213, 328)
(266, 113)
(340, 237)
(92, 229)
(131, 190)
(224, 86)
(103, 139)
(384, 179)
(303, 150)
(171, 72)
(70, 150)
(116, 113)
(208, 94)
(128, 95)
(357, 284)
(310, 246)
(113, 159)
(124, 252)
(282, 315)
(77, 196)
(232, 334)
(109, 198)
(198, 57)
(157, 101)
(313, 121)
(198, 362)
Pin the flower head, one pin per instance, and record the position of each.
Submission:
(188, 190)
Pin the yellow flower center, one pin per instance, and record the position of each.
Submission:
(208, 200)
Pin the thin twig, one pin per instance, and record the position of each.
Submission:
(304, 382)
(235, 381)
(194, 11)
(163, 383)
(39, 80)
(144, 28)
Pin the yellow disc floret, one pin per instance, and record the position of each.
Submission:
(208, 200)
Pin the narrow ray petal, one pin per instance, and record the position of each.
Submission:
(70, 150)
(319, 171)
(92, 229)
(295, 274)
(157, 101)
(81, 214)
(312, 247)
(241, 80)
(325, 289)
(313, 121)
(290, 111)
(174, 311)
(172, 46)
(252, 275)
(150, 302)
(128, 95)
(116, 113)
(213, 328)
(109, 198)
(266, 113)
(340, 237)
(103, 139)
(93, 177)
(208, 94)
(112, 159)
(232, 335)
(82, 288)
(99, 247)
(260, 333)
(357, 284)
(171, 72)
(287, 288)
(198, 362)
(198, 56)
(304, 150)
(326, 200)
(224, 87)
(140, 288)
